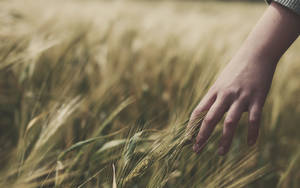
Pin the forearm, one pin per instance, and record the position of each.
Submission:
(277, 29)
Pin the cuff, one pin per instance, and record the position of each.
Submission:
(293, 5)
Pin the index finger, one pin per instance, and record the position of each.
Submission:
(213, 116)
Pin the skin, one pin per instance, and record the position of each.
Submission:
(244, 83)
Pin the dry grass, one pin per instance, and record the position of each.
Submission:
(98, 94)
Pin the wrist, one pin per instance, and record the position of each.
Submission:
(256, 56)
(261, 54)
(271, 37)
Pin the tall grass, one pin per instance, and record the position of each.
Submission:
(98, 94)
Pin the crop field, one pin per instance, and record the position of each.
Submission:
(99, 93)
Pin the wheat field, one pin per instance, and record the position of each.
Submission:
(98, 94)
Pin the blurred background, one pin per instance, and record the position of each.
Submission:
(98, 94)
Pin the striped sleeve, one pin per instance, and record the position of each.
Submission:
(294, 5)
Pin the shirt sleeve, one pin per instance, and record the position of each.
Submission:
(293, 5)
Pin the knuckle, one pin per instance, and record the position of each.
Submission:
(193, 117)
(195, 113)
(236, 91)
(225, 94)
(208, 119)
(254, 120)
(257, 112)
(212, 89)
(200, 137)
(255, 115)
(229, 122)
(245, 96)
(230, 93)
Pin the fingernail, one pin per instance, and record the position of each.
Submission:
(221, 150)
(196, 148)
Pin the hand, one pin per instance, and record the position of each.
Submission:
(245, 82)
(242, 86)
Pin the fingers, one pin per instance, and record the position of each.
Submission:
(217, 105)
(213, 116)
(206, 102)
(255, 111)
(204, 105)
(230, 123)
